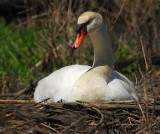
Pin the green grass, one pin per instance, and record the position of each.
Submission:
(19, 51)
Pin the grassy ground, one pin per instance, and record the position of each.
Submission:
(18, 52)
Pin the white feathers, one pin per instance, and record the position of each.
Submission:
(59, 84)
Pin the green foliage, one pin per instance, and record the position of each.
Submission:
(127, 60)
(18, 51)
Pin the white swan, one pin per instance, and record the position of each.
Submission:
(80, 82)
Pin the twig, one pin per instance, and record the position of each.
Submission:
(142, 130)
(149, 79)
(112, 122)
(119, 13)
(16, 101)
(36, 65)
(38, 103)
(50, 127)
(100, 123)
(154, 107)
(144, 55)
(98, 105)
(73, 124)
(132, 114)
(119, 102)
(7, 95)
(26, 89)
(105, 105)
(41, 130)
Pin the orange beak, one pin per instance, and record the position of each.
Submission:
(79, 39)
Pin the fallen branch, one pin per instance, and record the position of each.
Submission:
(16, 101)
(115, 106)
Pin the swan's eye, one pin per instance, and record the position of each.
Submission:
(82, 26)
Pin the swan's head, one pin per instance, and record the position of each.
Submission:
(87, 22)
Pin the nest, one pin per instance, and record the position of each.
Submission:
(20, 114)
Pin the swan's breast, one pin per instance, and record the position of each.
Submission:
(92, 85)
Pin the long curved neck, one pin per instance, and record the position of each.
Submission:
(103, 54)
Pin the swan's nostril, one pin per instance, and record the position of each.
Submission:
(74, 47)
